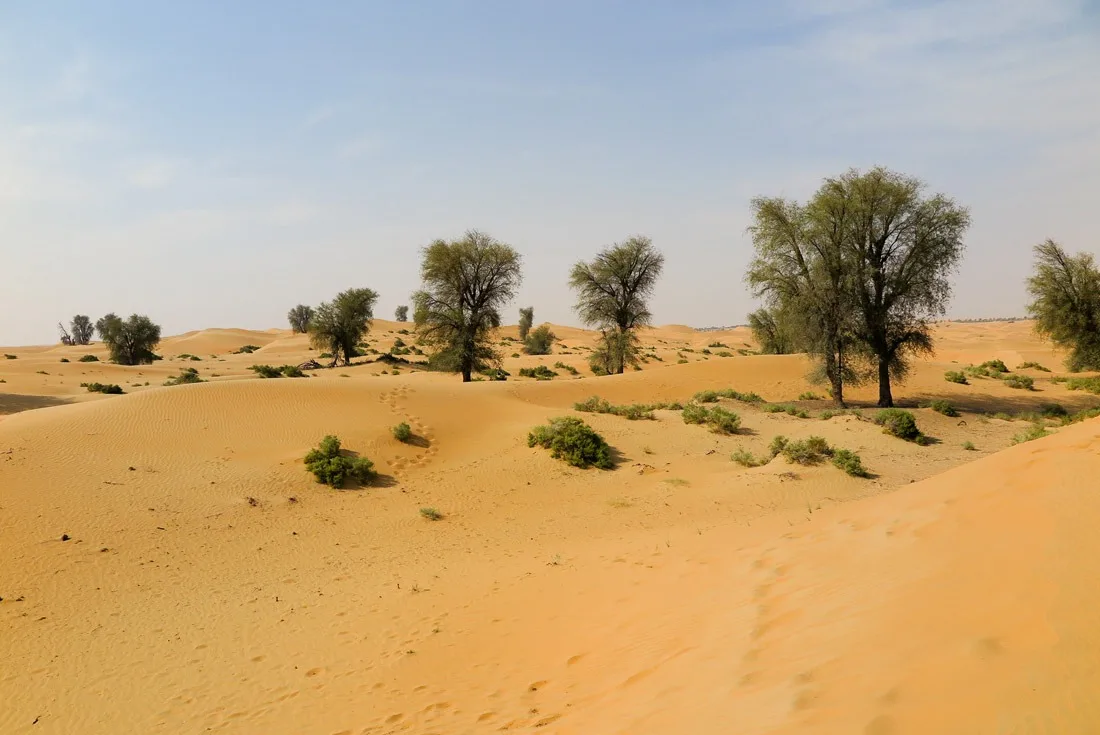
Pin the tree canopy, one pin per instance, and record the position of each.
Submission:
(613, 292)
(401, 313)
(339, 325)
(1065, 303)
(130, 341)
(81, 328)
(299, 318)
(526, 319)
(465, 284)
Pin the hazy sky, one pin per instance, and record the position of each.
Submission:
(215, 163)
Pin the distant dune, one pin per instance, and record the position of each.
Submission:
(171, 567)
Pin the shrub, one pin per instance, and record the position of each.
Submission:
(717, 344)
(540, 372)
(693, 413)
(1032, 366)
(788, 409)
(898, 422)
(779, 443)
(738, 396)
(746, 458)
(10, 357)
(332, 468)
(850, 462)
(89, 358)
(431, 514)
(994, 366)
(722, 353)
(496, 374)
(130, 341)
(402, 432)
(64, 359)
(969, 446)
(248, 350)
(1092, 385)
(944, 407)
(682, 361)
(567, 368)
(266, 371)
(1036, 431)
(705, 396)
(572, 441)
(809, 396)
(187, 375)
(1085, 415)
(108, 388)
(807, 451)
(1022, 382)
(292, 371)
(955, 376)
(540, 341)
(718, 419)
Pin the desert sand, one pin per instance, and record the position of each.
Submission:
(209, 584)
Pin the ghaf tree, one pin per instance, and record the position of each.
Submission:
(339, 325)
(1065, 303)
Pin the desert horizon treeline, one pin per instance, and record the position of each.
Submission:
(855, 277)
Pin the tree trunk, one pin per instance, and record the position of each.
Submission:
(466, 374)
(885, 397)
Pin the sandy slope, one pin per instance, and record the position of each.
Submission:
(210, 585)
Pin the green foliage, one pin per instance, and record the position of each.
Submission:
(540, 341)
(1035, 431)
(746, 458)
(1065, 303)
(108, 388)
(88, 358)
(300, 318)
(850, 462)
(694, 413)
(331, 467)
(526, 320)
(248, 350)
(129, 342)
(401, 314)
(810, 451)
(774, 330)
(572, 441)
(969, 446)
(402, 432)
(567, 368)
(778, 444)
(809, 396)
(1023, 382)
(956, 376)
(338, 326)
(787, 408)
(1032, 366)
(465, 282)
(267, 371)
(495, 374)
(539, 372)
(705, 396)
(186, 376)
(1091, 385)
(81, 330)
(717, 344)
(717, 419)
(943, 406)
(612, 294)
(994, 366)
(898, 422)
(431, 514)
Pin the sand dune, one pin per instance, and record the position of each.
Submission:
(209, 584)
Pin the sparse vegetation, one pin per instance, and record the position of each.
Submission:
(10, 357)
(331, 467)
(994, 366)
(539, 372)
(567, 368)
(850, 462)
(540, 341)
(267, 371)
(787, 408)
(956, 376)
(1032, 366)
(809, 451)
(248, 350)
(810, 396)
(108, 388)
(1091, 385)
(943, 406)
(1022, 382)
(431, 514)
(717, 419)
(186, 376)
(88, 358)
(898, 422)
(402, 432)
(745, 458)
(526, 320)
(572, 441)
(969, 446)
(1035, 431)
(401, 314)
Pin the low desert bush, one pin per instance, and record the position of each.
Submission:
(788, 409)
(1032, 366)
(956, 376)
(969, 446)
(331, 467)
(705, 396)
(850, 462)
(1022, 382)
(288, 371)
(186, 376)
(746, 458)
(1035, 431)
(109, 388)
(717, 419)
(10, 357)
(540, 341)
(567, 368)
(64, 359)
(89, 358)
(1053, 411)
(809, 396)
(402, 432)
(1092, 385)
(944, 407)
(431, 514)
(898, 422)
(247, 350)
(541, 372)
(994, 366)
(572, 441)
(806, 451)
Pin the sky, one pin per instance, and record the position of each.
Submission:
(212, 164)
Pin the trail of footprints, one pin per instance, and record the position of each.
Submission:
(423, 436)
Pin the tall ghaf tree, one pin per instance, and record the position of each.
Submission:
(81, 330)
(1065, 303)
(901, 247)
(466, 282)
(526, 320)
(338, 326)
(299, 318)
(613, 292)
(129, 341)
(401, 313)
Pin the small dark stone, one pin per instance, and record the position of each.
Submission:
(65, 537)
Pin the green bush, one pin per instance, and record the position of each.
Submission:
(850, 462)
(810, 396)
(540, 372)
(247, 350)
(331, 467)
(402, 432)
(718, 419)
(567, 368)
(705, 396)
(739, 396)
(898, 422)
(788, 409)
(994, 366)
(746, 458)
(266, 371)
(108, 388)
(1092, 385)
(955, 376)
(778, 444)
(694, 413)
(969, 446)
(572, 441)
(89, 358)
(431, 514)
(944, 407)
(595, 404)
(186, 376)
(1032, 366)
(807, 451)
(539, 341)
(496, 374)
(1036, 431)
(717, 344)
(1022, 382)
(292, 371)
(1053, 411)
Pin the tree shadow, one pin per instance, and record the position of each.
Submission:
(1026, 402)
(416, 440)
(13, 403)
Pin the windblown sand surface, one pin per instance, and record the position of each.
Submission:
(209, 584)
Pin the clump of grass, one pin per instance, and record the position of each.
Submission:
(108, 388)
(572, 441)
(186, 376)
(331, 467)
(850, 462)
(1032, 366)
(567, 368)
(717, 344)
(994, 366)
(402, 432)
(787, 408)
(40, 372)
(267, 371)
(631, 412)
(1021, 382)
(809, 451)
(682, 361)
(1035, 431)
(900, 423)
(88, 358)
(1091, 385)
(1085, 415)
(717, 419)
(248, 350)
(431, 514)
(943, 406)
(705, 396)
(956, 376)
(540, 372)
(809, 396)
(969, 446)
(746, 458)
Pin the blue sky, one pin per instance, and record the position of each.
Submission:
(213, 164)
